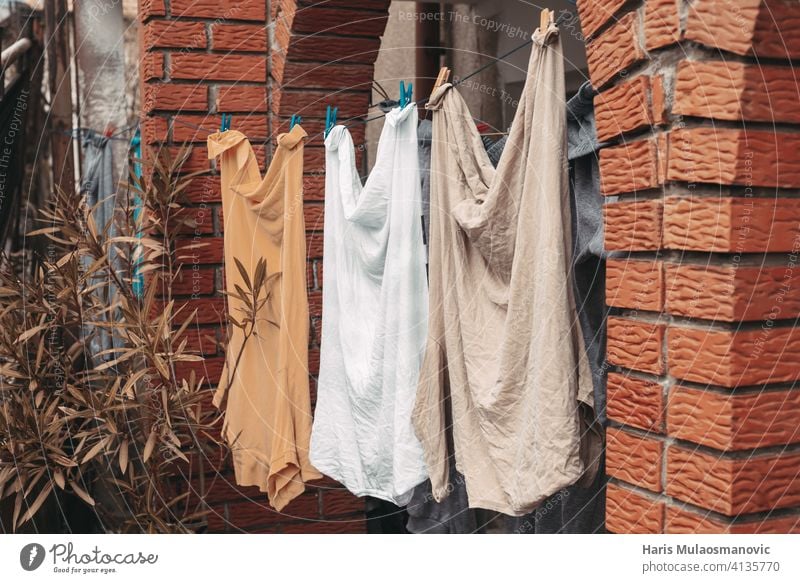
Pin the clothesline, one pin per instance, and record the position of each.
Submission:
(419, 102)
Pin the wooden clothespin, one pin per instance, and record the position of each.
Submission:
(545, 18)
(444, 75)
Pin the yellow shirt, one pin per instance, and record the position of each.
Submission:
(268, 410)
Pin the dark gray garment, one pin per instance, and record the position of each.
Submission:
(450, 516)
(97, 184)
(589, 256)
(424, 139)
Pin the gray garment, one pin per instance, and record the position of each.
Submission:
(424, 139)
(97, 184)
(450, 516)
(589, 256)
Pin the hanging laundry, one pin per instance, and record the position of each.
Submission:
(503, 328)
(97, 185)
(580, 508)
(268, 408)
(375, 308)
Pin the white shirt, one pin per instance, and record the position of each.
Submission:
(374, 316)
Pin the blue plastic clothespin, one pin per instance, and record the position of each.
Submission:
(225, 124)
(405, 93)
(330, 119)
(296, 119)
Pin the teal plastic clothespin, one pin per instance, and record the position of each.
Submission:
(296, 119)
(330, 119)
(405, 93)
(225, 124)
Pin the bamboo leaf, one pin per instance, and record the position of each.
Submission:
(96, 449)
(34, 508)
(58, 478)
(243, 273)
(123, 456)
(149, 446)
(81, 493)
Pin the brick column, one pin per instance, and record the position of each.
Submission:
(261, 61)
(700, 105)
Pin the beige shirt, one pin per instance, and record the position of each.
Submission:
(268, 409)
(505, 366)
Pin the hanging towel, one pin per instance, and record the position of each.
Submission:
(374, 313)
(268, 409)
(503, 326)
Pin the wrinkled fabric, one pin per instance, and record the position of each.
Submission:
(589, 272)
(97, 185)
(266, 395)
(450, 516)
(375, 308)
(503, 325)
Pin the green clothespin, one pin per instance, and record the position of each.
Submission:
(296, 119)
(225, 124)
(405, 93)
(330, 119)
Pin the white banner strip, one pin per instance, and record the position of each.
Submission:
(356, 558)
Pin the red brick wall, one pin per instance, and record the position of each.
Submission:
(701, 178)
(262, 61)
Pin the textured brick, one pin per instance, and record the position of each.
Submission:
(350, 526)
(623, 108)
(174, 97)
(228, 67)
(635, 402)
(628, 512)
(323, 19)
(209, 369)
(614, 50)
(634, 459)
(635, 344)
(314, 245)
(203, 189)
(635, 284)
(151, 66)
(253, 126)
(732, 486)
(327, 76)
(206, 250)
(686, 521)
(191, 280)
(732, 156)
(633, 226)
(150, 8)
(729, 293)
(346, 49)
(734, 358)
(209, 310)
(737, 225)
(247, 98)
(239, 37)
(728, 90)
(662, 23)
(338, 502)
(314, 216)
(312, 103)
(167, 34)
(595, 13)
(629, 167)
(220, 9)
(734, 421)
(767, 28)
